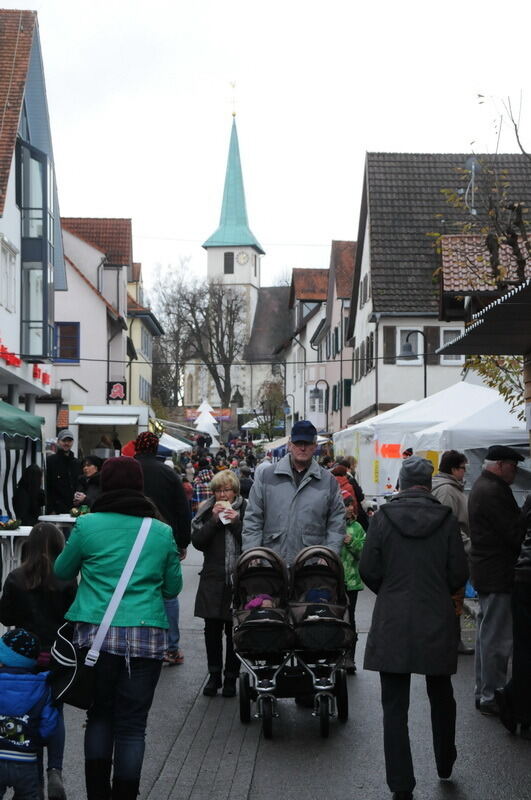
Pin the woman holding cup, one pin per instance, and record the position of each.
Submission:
(216, 531)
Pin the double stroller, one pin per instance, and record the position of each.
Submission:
(291, 634)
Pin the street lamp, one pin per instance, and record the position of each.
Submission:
(315, 394)
(407, 354)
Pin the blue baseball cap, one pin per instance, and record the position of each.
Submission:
(303, 431)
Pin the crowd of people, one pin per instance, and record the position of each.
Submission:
(415, 553)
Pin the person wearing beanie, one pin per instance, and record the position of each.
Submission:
(27, 715)
(414, 560)
(131, 657)
(164, 487)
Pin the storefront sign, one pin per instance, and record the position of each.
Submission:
(116, 390)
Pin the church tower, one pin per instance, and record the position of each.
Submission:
(234, 252)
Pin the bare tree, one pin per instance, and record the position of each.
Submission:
(213, 333)
(270, 411)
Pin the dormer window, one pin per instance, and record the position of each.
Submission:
(228, 263)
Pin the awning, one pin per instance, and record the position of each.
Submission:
(16, 422)
(111, 419)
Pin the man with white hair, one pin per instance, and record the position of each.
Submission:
(496, 534)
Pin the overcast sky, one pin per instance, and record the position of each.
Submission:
(140, 104)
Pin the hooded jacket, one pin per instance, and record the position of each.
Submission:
(286, 517)
(451, 492)
(413, 559)
(27, 716)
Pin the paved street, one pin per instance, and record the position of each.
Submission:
(197, 749)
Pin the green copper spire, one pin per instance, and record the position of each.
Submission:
(233, 230)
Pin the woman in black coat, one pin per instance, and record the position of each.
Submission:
(88, 487)
(216, 531)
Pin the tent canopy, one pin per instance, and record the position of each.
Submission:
(492, 424)
(15, 422)
(174, 444)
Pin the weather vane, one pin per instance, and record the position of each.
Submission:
(233, 87)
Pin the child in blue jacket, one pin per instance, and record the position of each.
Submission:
(27, 716)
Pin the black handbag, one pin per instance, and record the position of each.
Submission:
(71, 680)
(73, 677)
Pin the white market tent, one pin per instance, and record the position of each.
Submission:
(252, 425)
(378, 442)
(173, 444)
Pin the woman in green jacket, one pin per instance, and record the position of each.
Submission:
(350, 556)
(130, 660)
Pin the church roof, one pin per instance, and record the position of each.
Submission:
(233, 230)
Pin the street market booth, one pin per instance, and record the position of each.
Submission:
(378, 443)
(116, 422)
(20, 446)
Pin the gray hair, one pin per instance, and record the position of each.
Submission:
(488, 464)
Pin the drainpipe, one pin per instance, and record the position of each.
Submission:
(341, 368)
(296, 339)
(109, 358)
(375, 317)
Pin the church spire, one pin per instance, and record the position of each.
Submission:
(233, 230)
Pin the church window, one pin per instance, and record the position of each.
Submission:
(228, 263)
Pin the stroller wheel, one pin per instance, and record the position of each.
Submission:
(324, 715)
(245, 698)
(267, 717)
(341, 695)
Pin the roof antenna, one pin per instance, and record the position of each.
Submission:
(472, 166)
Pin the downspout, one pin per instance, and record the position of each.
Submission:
(296, 339)
(109, 359)
(341, 369)
(376, 319)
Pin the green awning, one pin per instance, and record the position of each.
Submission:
(15, 422)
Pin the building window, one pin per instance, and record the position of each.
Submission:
(144, 390)
(146, 344)
(448, 335)
(8, 260)
(327, 345)
(228, 263)
(413, 340)
(317, 400)
(66, 342)
(336, 341)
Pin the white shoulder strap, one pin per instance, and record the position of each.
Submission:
(93, 653)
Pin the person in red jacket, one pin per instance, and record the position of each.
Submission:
(345, 487)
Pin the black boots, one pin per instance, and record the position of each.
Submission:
(229, 685)
(213, 684)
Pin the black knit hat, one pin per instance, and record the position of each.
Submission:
(416, 471)
(121, 473)
(19, 648)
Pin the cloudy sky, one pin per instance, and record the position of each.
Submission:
(140, 104)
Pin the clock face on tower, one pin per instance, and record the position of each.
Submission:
(242, 257)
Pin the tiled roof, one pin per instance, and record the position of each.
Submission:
(137, 271)
(110, 307)
(308, 284)
(16, 37)
(466, 265)
(265, 338)
(112, 236)
(344, 256)
(406, 198)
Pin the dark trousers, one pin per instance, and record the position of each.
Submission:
(214, 629)
(24, 778)
(116, 723)
(395, 703)
(352, 595)
(518, 689)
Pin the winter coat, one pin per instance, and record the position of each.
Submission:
(41, 610)
(25, 703)
(286, 517)
(522, 571)
(346, 489)
(451, 492)
(90, 487)
(497, 528)
(350, 556)
(62, 473)
(163, 486)
(99, 546)
(413, 559)
(214, 593)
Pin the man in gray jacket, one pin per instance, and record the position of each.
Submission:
(295, 503)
